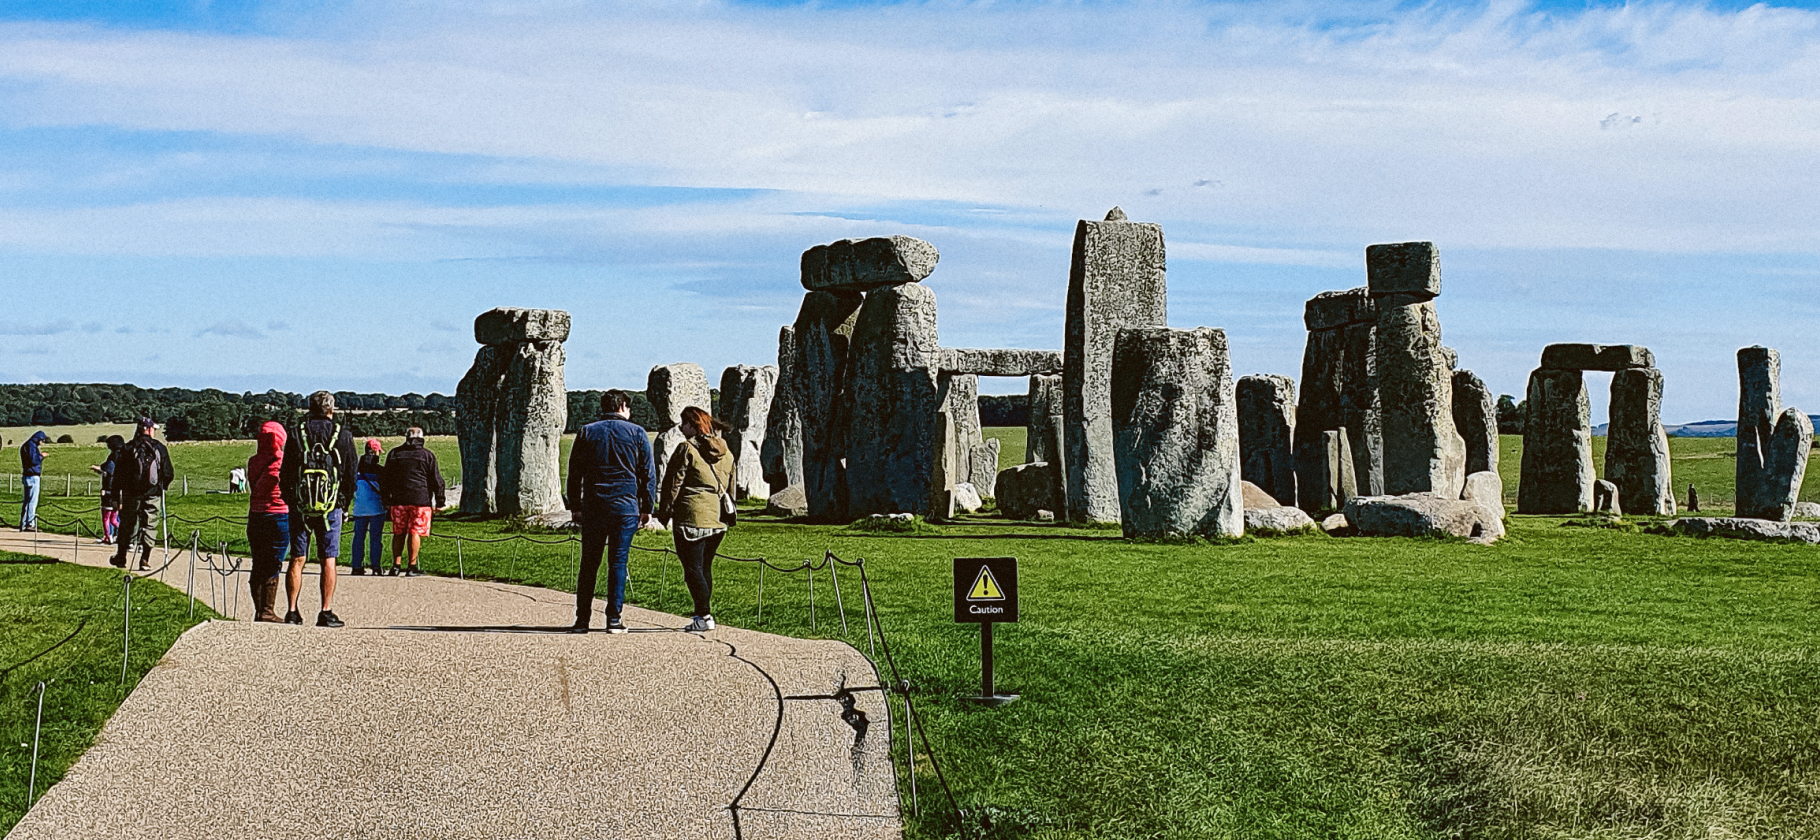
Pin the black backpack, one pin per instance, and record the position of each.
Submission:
(137, 466)
(319, 474)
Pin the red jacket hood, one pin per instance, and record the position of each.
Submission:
(271, 438)
(262, 470)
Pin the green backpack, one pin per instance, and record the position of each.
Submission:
(319, 478)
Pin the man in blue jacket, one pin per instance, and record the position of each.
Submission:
(612, 486)
(32, 463)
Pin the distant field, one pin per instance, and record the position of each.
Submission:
(87, 433)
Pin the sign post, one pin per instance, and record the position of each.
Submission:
(985, 593)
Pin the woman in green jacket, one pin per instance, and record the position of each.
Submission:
(699, 472)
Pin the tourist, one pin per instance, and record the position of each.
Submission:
(237, 480)
(110, 495)
(142, 469)
(413, 491)
(318, 483)
(32, 465)
(612, 486)
(369, 511)
(695, 483)
(268, 521)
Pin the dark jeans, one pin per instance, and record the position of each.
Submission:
(697, 558)
(269, 536)
(599, 532)
(369, 533)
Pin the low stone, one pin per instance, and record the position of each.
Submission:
(1001, 362)
(1175, 433)
(559, 520)
(1740, 528)
(1329, 310)
(790, 501)
(967, 498)
(508, 325)
(1422, 515)
(1605, 498)
(1403, 268)
(1277, 520)
(1044, 516)
(1805, 510)
(1486, 488)
(1254, 497)
(983, 474)
(1597, 356)
(861, 265)
(1027, 488)
(1336, 524)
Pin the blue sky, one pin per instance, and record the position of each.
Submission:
(245, 195)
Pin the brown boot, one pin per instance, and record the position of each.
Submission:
(265, 598)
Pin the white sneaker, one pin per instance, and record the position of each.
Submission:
(708, 620)
(700, 624)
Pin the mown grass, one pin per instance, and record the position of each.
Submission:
(42, 603)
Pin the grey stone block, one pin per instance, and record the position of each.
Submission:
(984, 467)
(1423, 453)
(1175, 433)
(781, 456)
(1045, 403)
(1331, 310)
(672, 388)
(533, 408)
(1597, 356)
(1759, 402)
(892, 442)
(1025, 489)
(476, 423)
(1266, 433)
(968, 360)
(1403, 268)
(861, 265)
(1739, 528)
(1605, 498)
(1277, 520)
(967, 498)
(1784, 467)
(746, 394)
(1475, 416)
(788, 501)
(1485, 488)
(1557, 476)
(1422, 515)
(1636, 445)
(822, 331)
(509, 325)
(1339, 390)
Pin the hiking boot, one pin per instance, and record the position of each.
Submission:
(145, 565)
(411, 571)
(293, 617)
(269, 617)
(359, 571)
(118, 561)
(579, 627)
(699, 624)
(327, 618)
(394, 572)
(615, 626)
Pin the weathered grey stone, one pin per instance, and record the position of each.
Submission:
(1636, 445)
(509, 325)
(1116, 281)
(892, 441)
(1403, 268)
(1044, 516)
(788, 501)
(476, 422)
(1740, 528)
(1784, 466)
(533, 409)
(1487, 489)
(984, 467)
(947, 467)
(1450, 358)
(1422, 515)
(1325, 480)
(1557, 474)
(1475, 417)
(1597, 356)
(1001, 362)
(1045, 401)
(1277, 520)
(1336, 524)
(1330, 310)
(861, 265)
(1759, 401)
(746, 394)
(823, 329)
(967, 498)
(1253, 496)
(1338, 391)
(1025, 489)
(1175, 433)
(1422, 451)
(1266, 433)
(672, 388)
(782, 453)
(1605, 498)
(1805, 510)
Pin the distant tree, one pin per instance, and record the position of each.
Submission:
(1510, 415)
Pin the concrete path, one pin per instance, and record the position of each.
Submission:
(451, 709)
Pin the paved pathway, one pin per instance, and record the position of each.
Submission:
(445, 709)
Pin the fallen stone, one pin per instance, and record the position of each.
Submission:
(861, 265)
(1025, 489)
(1636, 445)
(1336, 524)
(891, 444)
(1175, 433)
(1266, 433)
(1740, 528)
(1486, 489)
(1253, 496)
(1605, 498)
(1475, 417)
(1001, 362)
(1277, 520)
(1422, 515)
(967, 498)
(508, 325)
(1597, 356)
(1423, 453)
(1805, 510)
(1557, 471)
(788, 501)
(1403, 268)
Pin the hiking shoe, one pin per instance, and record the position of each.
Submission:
(117, 561)
(293, 617)
(327, 618)
(394, 571)
(699, 624)
(411, 571)
(145, 565)
(615, 626)
(358, 572)
(579, 627)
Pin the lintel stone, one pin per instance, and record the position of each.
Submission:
(1407, 268)
(1613, 357)
(509, 325)
(861, 265)
(1328, 310)
(964, 360)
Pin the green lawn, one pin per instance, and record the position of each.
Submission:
(42, 603)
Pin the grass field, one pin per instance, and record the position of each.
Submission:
(1567, 682)
(42, 604)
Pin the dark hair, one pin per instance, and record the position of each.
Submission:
(322, 404)
(114, 442)
(696, 421)
(615, 401)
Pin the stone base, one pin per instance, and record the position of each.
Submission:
(1738, 528)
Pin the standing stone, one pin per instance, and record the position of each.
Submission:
(476, 409)
(947, 467)
(1176, 437)
(1784, 466)
(746, 394)
(984, 467)
(1605, 498)
(512, 407)
(1331, 473)
(1423, 453)
(1266, 430)
(892, 443)
(1475, 415)
(963, 401)
(672, 388)
(822, 331)
(1557, 475)
(1338, 391)
(782, 453)
(1636, 445)
(1045, 404)
(1759, 401)
(1116, 281)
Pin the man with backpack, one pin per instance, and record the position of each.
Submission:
(317, 479)
(142, 469)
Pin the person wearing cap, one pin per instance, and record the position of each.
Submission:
(369, 511)
(110, 495)
(318, 431)
(142, 469)
(31, 460)
(413, 491)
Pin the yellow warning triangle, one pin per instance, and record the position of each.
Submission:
(985, 588)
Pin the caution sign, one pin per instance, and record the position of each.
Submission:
(985, 589)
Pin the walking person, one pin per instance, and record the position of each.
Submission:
(369, 511)
(695, 502)
(110, 495)
(142, 469)
(611, 489)
(317, 477)
(413, 485)
(268, 521)
(31, 462)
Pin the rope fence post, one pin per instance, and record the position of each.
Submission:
(461, 563)
(812, 625)
(31, 787)
(761, 596)
(126, 625)
(838, 603)
(66, 485)
(910, 751)
(189, 589)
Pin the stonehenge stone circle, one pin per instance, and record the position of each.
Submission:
(672, 388)
(1266, 405)
(822, 331)
(782, 452)
(861, 265)
(1027, 488)
(1116, 281)
(892, 444)
(1613, 357)
(1175, 433)
(1636, 445)
(1423, 453)
(746, 394)
(1759, 404)
(1000, 362)
(1475, 415)
(1338, 392)
(1045, 406)
(1421, 515)
(1557, 474)
(1784, 466)
(512, 408)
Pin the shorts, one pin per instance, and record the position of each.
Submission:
(411, 519)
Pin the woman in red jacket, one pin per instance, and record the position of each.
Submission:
(268, 521)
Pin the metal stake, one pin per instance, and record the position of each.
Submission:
(189, 590)
(31, 787)
(910, 750)
(812, 598)
(461, 563)
(761, 596)
(838, 604)
(126, 626)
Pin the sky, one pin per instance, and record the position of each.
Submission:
(299, 195)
